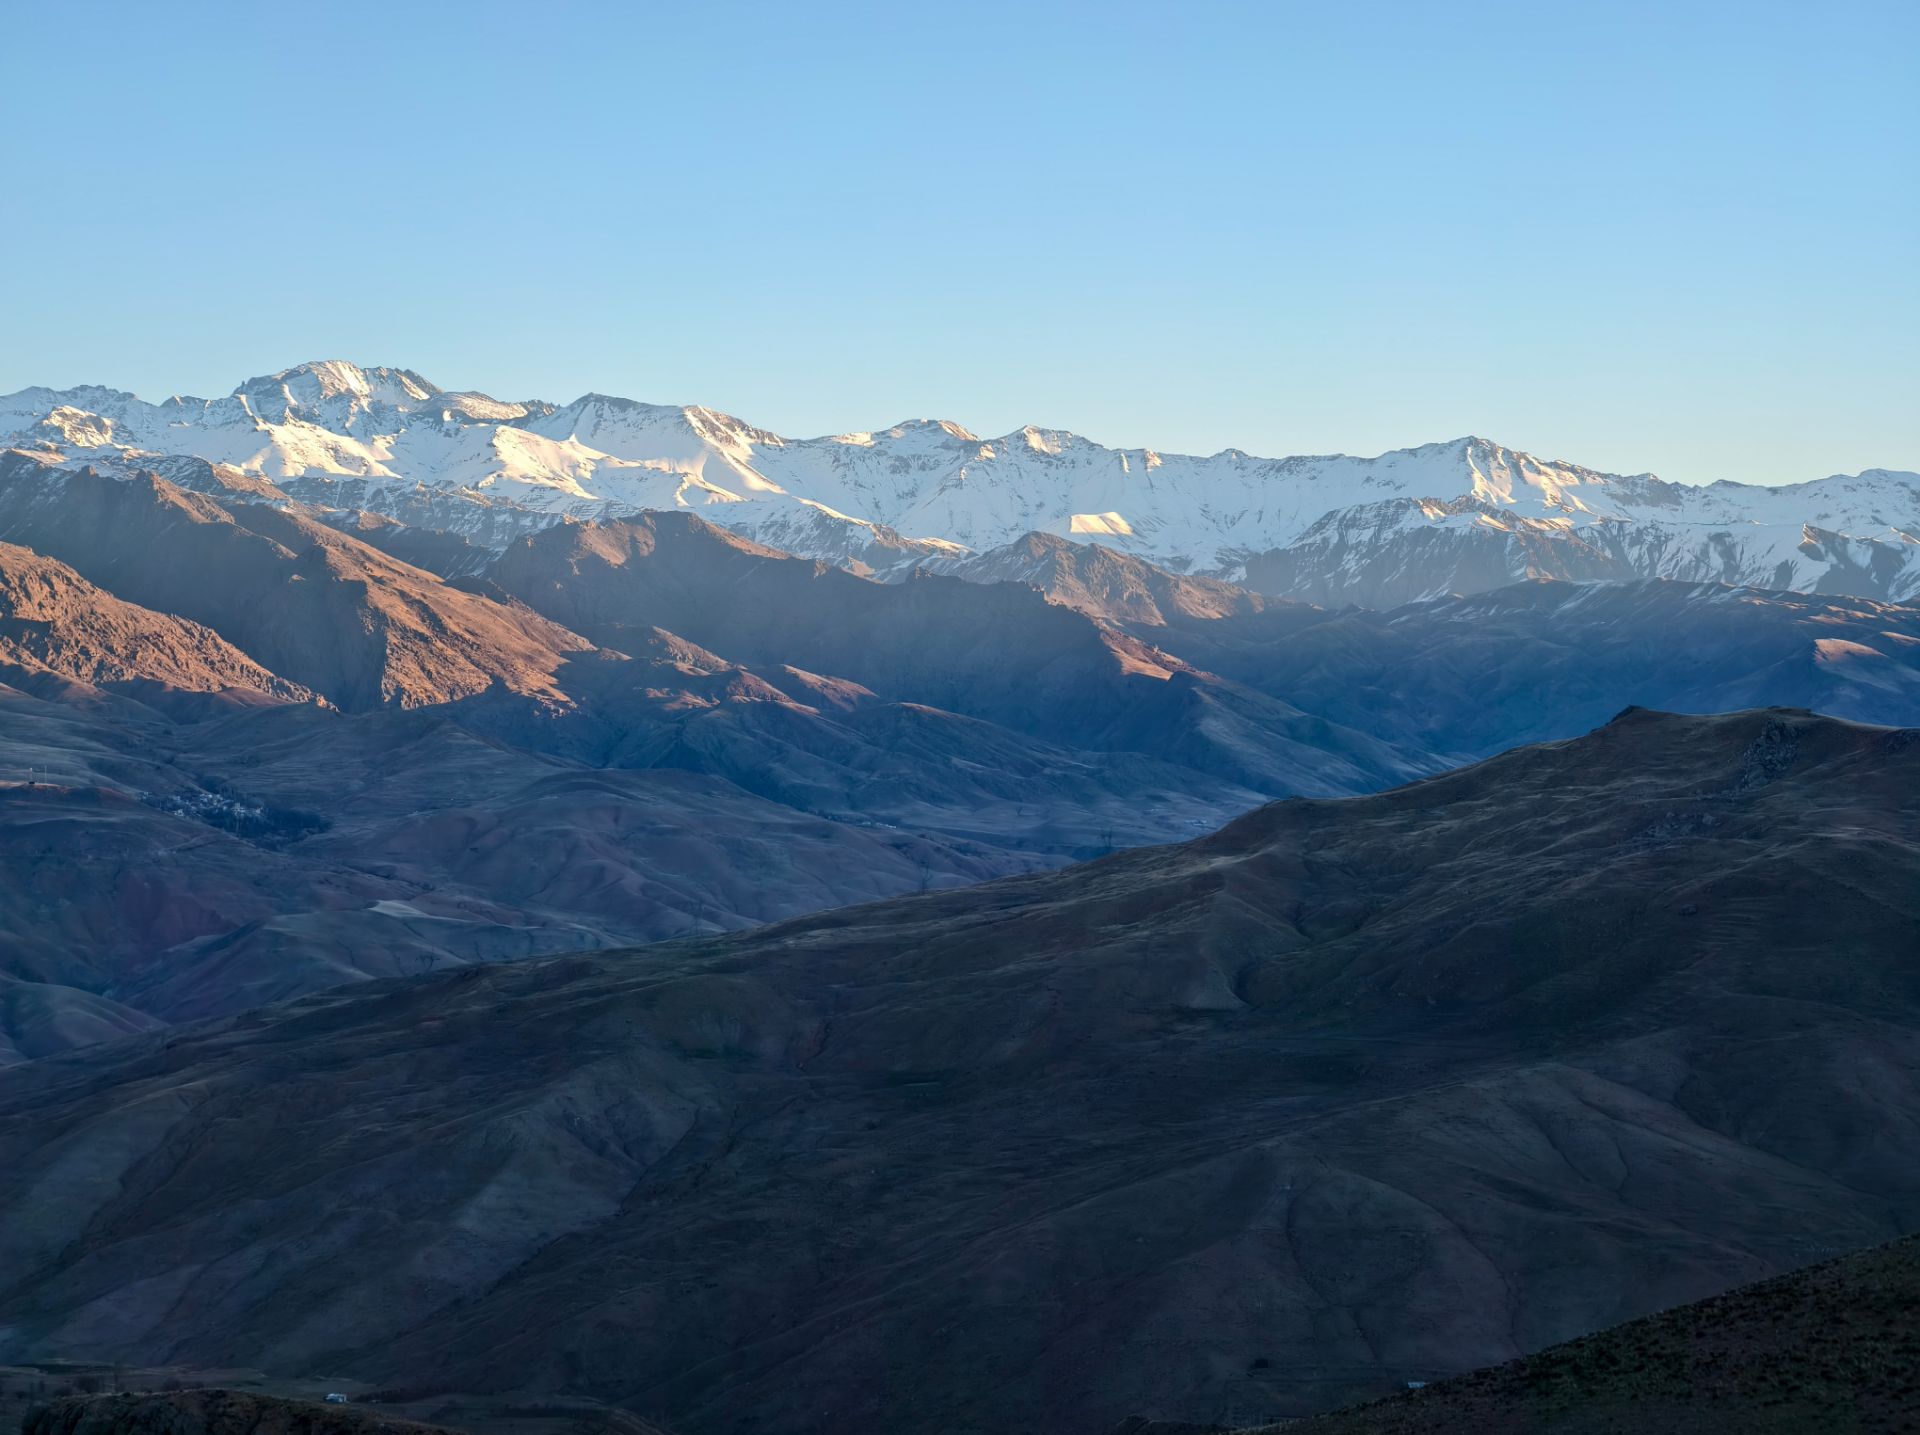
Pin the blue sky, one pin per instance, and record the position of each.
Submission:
(1680, 237)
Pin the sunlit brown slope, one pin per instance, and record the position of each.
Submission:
(1349, 1093)
(1103, 583)
(54, 623)
(310, 603)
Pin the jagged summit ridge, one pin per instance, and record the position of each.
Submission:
(1455, 516)
(330, 378)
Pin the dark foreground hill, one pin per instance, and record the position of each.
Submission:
(1349, 1093)
(1833, 1348)
(211, 1412)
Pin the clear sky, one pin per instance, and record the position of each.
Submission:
(1681, 236)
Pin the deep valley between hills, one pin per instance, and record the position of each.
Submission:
(634, 963)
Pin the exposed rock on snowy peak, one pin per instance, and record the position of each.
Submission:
(1462, 516)
(333, 392)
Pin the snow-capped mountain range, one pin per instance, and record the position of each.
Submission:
(1460, 516)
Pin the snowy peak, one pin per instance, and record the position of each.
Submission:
(628, 428)
(481, 408)
(332, 390)
(1459, 515)
(66, 426)
(335, 378)
(718, 428)
(1052, 442)
(909, 434)
(1504, 476)
(30, 405)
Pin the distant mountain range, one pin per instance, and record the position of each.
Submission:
(1458, 517)
(250, 747)
(421, 815)
(244, 754)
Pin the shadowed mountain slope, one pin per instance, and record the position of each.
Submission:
(1347, 1093)
(1537, 661)
(40, 1018)
(211, 1412)
(1834, 1347)
(999, 652)
(185, 869)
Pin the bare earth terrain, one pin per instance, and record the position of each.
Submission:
(1349, 1093)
